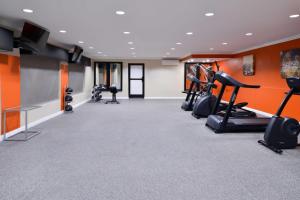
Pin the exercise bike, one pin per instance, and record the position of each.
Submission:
(282, 132)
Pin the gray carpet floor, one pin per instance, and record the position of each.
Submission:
(143, 150)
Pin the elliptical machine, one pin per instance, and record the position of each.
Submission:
(282, 132)
(204, 105)
(188, 104)
(196, 84)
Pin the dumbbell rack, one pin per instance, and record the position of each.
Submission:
(68, 100)
(96, 94)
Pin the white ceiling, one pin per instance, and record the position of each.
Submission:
(156, 25)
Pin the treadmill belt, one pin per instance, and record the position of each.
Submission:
(249, 121)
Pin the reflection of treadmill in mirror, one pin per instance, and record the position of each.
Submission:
(225, 123)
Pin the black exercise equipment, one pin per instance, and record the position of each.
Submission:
(227, 123)
(197, 87)
(282, 132)
(113, 91)
(68, 108)
(68, 100)
(97, 93)
(188, 104)
(204, 105)
(69, 90)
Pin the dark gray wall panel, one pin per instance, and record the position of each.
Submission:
(76, 77)
(39, 79)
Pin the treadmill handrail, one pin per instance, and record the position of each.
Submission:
(227, 80)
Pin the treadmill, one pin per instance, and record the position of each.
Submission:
(225, 123)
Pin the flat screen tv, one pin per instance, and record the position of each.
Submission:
(35, 35)
(6, 40)
(76, 54)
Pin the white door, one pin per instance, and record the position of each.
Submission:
(136, 80)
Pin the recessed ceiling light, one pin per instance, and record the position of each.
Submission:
(126, 32)
(80, 42)
(192, 60)
(168, 53)
(224, 43)
(91, 47)
(249, 34)
(62, 31)
(99, 52)
(209, 14)
(132, 48)
(130, 43)
(208, 60)
(172, 48)
(294, 16)
(211, 49)
(120, 12)
(189, 33)
(179, 43)
(26, 10)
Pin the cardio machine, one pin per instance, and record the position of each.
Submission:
(282, 132)
(227, 122)
(188, 104)
(204, 105)
(195, 85)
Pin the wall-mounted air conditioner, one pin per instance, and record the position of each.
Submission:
(170, 62)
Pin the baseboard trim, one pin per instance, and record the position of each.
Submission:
(39, 121)
(147, 98)
(163, 98)
(81, 103)
(259, 112)
(254, 110)
(108, 98)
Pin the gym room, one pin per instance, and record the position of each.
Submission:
(149, 100)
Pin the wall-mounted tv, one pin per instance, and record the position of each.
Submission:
(6, 39)
(34, 36)
(75, 55)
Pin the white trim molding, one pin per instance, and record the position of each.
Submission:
(39, 121)
(259, 112)
(109, 97)
(254, 110)
(294, 37)
(30, 125)
(164, 98)
(81, 103)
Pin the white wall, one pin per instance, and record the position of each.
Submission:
(160, 81)
(87, 87)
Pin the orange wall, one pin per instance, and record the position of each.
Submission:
(64, 78)
(267, 74)
(10, 89)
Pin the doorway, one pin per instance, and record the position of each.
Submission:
(136, 86)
